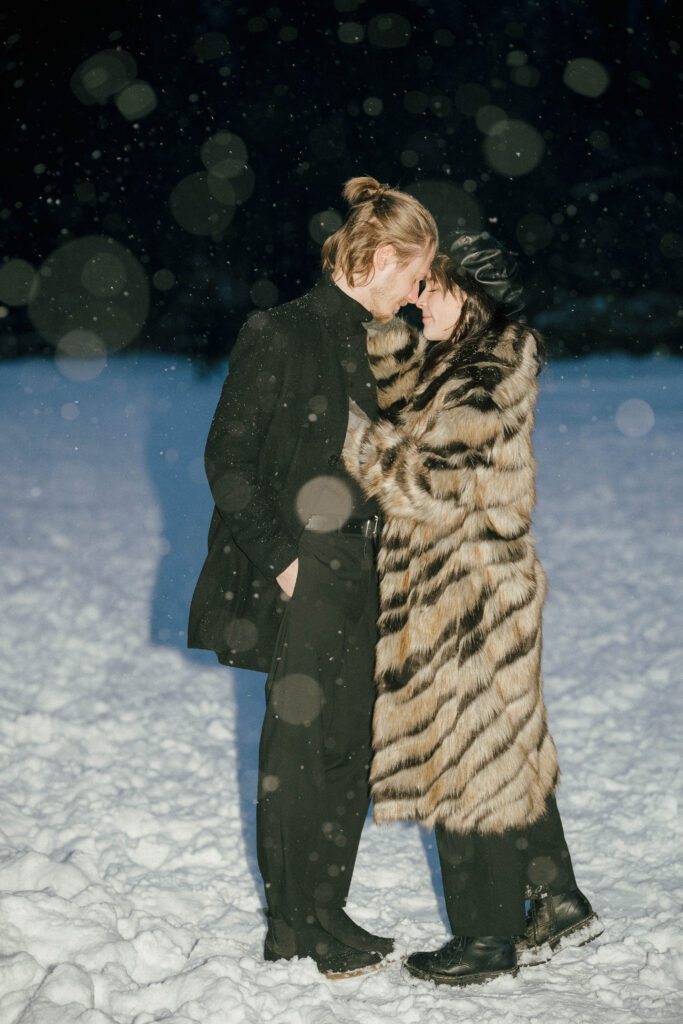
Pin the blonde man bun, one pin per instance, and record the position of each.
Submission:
(378, 215)
(362, 190)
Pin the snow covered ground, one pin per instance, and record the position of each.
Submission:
(129, 891)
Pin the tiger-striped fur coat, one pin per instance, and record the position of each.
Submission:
(459, 729)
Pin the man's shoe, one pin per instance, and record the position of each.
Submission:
(466, 961)
(334, 959)
(338, 923)
(554, 923)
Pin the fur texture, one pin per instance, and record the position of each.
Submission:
(459, 730)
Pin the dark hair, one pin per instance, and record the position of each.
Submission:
(480, 312)
(378, 215)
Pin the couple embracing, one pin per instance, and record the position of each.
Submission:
(370, 551)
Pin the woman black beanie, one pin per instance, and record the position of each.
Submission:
(490, 264)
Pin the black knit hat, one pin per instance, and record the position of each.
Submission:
(490, 264)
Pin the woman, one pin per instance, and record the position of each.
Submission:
(459, 732)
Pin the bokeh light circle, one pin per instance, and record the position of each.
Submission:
(103, 75)
(452, 207)
(373, 106)
(671, 246)
(224, 154)
(323, 224)
(104, 275)
(221, 189)
(488, 117)
(526, 76)
(137, 100)
(599, 139)
(513, 147)
(444, 37)
(297, 699)
(80, 355)
(195, 207)
(69, 411)
(241, 635)
(264, 293)
(534, 232)
(242, 186)
(350, 32)
(409, 158)
(211, 46)
(389, 31)
(635, 418)
(163, 279)
(92, 284)
(325, 496)
(233, 491)
(18, 282)
(230, 179)
(586, 76)
(415, 102)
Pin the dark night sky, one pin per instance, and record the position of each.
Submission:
(172, 168)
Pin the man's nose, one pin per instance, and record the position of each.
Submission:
(414, 293)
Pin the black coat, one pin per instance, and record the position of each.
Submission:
(280, 423)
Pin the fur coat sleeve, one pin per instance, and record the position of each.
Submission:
(458, 432)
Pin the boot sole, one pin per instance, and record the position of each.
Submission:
(270, 956)
(463, 980)
(336, 976)
(577, 935)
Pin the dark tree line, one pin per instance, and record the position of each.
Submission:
(550, 124)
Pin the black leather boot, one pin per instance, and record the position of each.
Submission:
(333, 958)
(554, 923)
(337, 922)
(466, 961)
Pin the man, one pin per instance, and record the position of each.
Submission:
(289, 585)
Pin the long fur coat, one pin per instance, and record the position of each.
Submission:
(459, 730)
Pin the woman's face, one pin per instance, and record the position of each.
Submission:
(440, 313)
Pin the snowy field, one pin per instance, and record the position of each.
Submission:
(129, 891)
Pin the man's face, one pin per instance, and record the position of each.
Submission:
(394, 284)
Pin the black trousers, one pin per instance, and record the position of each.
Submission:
(315, 744)
(486, 878)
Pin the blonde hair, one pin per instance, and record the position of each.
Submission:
(379, 215)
